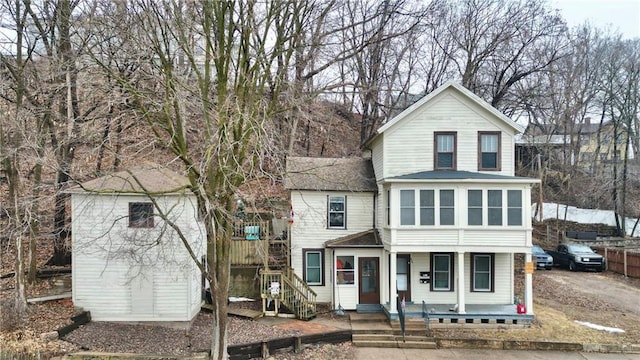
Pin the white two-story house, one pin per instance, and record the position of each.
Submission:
(432, 213)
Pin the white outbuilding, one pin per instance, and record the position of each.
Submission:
(128, 261)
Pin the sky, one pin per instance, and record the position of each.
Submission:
(620, 15)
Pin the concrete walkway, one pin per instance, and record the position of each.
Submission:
(476, 354)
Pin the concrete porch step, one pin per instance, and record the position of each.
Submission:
(367, 317)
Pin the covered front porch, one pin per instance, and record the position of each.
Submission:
(458, 290)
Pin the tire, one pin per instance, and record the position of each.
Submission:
(601, 268)
(572, 266)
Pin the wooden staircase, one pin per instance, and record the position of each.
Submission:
(375, 330)
(284, 287)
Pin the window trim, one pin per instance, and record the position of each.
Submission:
(451, 272)
(492, 272)
(498, 154)
(436, 166)
(344, 212)
(304, 266)
(148, 220)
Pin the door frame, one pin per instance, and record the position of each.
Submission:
(372, 298)
(406, 294)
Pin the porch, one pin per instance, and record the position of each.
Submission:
(476, 316)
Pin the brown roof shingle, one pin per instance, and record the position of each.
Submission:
(339, 174)
(149, 178)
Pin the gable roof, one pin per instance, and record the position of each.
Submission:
(461, 89)
(448, 175)
(364, 239)
(148, 178)
(339, 174)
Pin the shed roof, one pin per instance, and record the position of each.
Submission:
(147, 179)
(364, 239)
(339, 174)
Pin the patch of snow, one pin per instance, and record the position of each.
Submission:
(599, 327)
(583, 216)
(239, 299)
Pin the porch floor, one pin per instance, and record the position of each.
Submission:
(475, 314)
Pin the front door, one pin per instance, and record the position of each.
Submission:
(369, 275)
(403, 279)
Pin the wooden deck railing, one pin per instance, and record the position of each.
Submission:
(286, 287)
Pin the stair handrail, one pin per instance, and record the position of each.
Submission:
(294, 292)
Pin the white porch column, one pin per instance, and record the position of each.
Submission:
(384, 277)
(528, 287)
(460, 286)
(393, 291)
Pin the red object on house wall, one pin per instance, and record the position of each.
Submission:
(521, 309)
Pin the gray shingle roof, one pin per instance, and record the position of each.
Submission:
(339, 174)
(455, 175)
(151, 178)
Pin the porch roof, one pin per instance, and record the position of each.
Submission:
(364, 239)
(461, 175)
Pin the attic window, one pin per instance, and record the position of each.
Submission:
(140, 215)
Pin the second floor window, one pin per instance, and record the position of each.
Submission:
(514, 207)
(445, 151)
(337, 214)
(489, 151)
(435, 207)
(494, 203)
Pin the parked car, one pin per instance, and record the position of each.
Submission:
(542, 259)
(577, 257)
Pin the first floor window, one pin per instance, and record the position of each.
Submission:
(482, 268)
(141, 215)
(313, 266)
(337, 213)
(344, 269)
(442, 269)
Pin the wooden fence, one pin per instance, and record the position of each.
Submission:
(621, 261)
(249, 252)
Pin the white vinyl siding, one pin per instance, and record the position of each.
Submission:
(115, 279)
(405, 148)
(309, 231)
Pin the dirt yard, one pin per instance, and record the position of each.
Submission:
(562, 297)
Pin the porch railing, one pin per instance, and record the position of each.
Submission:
(284, 286)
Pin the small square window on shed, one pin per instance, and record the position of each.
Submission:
(140, 215)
